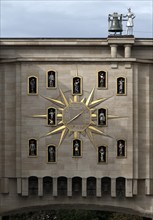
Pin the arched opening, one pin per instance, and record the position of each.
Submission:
(32, 148)
(62, 186)
(106, 186)
(102, 80)
(76, 186)
(120, 187)
(51, 81)
(32, 85)
(121, 148)
(33, 185)
(121, 86)
(47, 185)
(91, 186)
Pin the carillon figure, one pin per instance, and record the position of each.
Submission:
(102, 117)
(32, 85)
(51, 79)
(51, 116)
(77, 86)
(121, 151)
(51, 154)
(102, 80)
(32, 147)
(76, 148)
(102, 154)
(121, 86)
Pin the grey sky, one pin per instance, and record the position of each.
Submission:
(71, 18)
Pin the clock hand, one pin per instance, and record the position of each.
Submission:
(76, 116)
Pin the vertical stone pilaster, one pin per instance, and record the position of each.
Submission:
(135, 121)
(135, 187)
(148, 187)
(40, 187)
(9, 118)
(55, 186)
(25, 187)
(148, 100)
(151, 124)
(129, 188)
(2, 112)
(69, 187)
(84, 187)
(113, 187)
(98, 187)
(18, 142)
(19, 186)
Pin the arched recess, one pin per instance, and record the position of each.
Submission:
(76, 186)
(106, 186)
(121, 85)
(91, 186)
(62, 186)
(33, 185)
(120, 187)
(47, 185)
(33, 148)
(102, 79)
(32, 85)
(51, 79)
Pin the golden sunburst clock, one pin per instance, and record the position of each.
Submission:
(75, 116)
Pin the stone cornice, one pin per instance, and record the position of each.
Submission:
(75, 41)
(70, 59)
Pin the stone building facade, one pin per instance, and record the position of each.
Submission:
(76, 123)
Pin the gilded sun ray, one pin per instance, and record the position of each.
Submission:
(97, 102)
(83, 100)
(60, 109)
(55, 101)
(94, 116)
(115, 116)
(63, 97)
(64, 133)
(39, 116)
(91, 138)
(90, 97)
(76, 134)
(60, 123)
(93, 110)
(93, 123)
(75, 98)
(59, 115)
(55, 131)
(71, 100)
(96, 130)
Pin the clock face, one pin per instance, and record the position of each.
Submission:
(76, 116)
